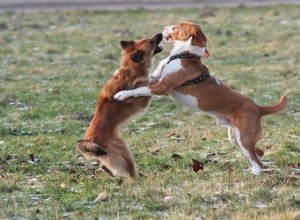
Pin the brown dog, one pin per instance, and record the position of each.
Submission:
(102, 140)
(188, 81)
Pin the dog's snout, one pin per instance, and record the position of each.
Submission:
(159, 36)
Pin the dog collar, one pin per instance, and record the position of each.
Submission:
(183, 56)
(197, 80)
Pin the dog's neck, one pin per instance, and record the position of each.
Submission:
(183, 46)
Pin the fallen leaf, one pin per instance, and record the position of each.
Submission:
(83, 116)
(156, 152)
(228, 165)
(120, 181)
(269, 146)
(211, 155)
(37, 211)
(141, 175)
(197, 165)
(164, 166)
(78, 214)
(293, 176)
(293, 165)
(31, 156)
(171, 134)
(8, 157)
(101, 197)
(176, 156)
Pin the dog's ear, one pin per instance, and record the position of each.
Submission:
(198, 39)
(127, 45)
(138, 56)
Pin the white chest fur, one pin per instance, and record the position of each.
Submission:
(172, 67)
(187, 100)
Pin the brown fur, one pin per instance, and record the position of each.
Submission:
(102, 140)
(232, 109)
(185, 30)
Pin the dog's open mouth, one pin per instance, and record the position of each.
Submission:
(158, 49)
(157, 38)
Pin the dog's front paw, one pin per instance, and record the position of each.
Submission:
(122, 95)
(154, 77)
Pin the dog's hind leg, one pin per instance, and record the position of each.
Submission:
(232, 138)
(248, 132)
(89, 149)
(119, 159)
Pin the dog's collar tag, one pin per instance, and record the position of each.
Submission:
(183, 56)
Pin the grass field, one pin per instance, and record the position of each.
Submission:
(52, 67)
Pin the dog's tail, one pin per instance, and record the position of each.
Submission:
(89, 149)
(271, 109)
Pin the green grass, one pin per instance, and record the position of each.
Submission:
(52, 67)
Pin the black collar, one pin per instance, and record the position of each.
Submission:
(197, 80)
(183, 56)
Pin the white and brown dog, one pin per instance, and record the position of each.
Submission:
(188, 81)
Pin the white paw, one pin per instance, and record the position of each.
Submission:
(122, 95)
(256, 170)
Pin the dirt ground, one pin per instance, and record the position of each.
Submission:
(50, 5)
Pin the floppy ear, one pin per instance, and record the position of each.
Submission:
(199, 39)
(127, 45)
(137, 56)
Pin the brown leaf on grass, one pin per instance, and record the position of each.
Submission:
(176, 156)
(37, 211)
(164, 166)
(171, 134)
(269, 146)
(228, 165)
(211, 155)
(78, 214)
(141, 175)
(83, 116)
(197, 165)
(101, 197)
(293, 165)
(156, 152)
(8, 157)
(31, 156)
(174, 136)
